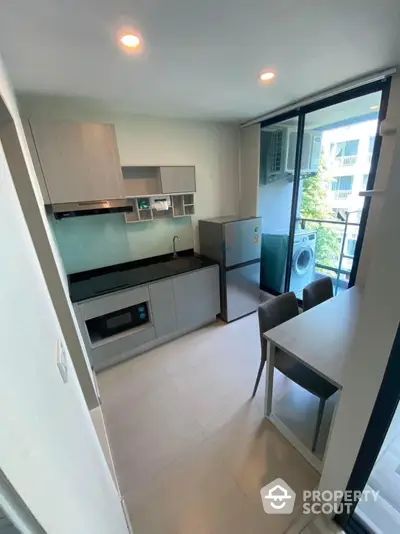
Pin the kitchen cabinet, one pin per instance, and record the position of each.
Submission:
(196, 297)
(79, 161)
(163, 307)
(120, 348)
(178, 304)
(114, 302)
(178, 179)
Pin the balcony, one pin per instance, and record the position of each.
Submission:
(332, 258)
(341, 195)
(345, 161)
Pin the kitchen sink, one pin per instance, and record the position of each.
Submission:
(181, 264)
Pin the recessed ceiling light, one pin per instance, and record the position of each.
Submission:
(267, 76)
(374, 108)
(130, 40)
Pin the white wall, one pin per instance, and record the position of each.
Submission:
(28, 191)
(381, 180)
(211, 147)
(48, 448)
(250, 139)
(375, 332)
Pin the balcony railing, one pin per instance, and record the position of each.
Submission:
(335, 269)
(341, 195)
(345, 161)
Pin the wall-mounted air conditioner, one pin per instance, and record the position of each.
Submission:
(278, 153)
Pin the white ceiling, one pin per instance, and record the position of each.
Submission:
(202, 57)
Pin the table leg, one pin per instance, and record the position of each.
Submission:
(269, 378)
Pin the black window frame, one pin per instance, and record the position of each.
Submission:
(385, 407)
(300, 113)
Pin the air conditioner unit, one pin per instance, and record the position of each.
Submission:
(278, 153)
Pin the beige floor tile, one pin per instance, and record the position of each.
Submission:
(191, 449)
(195, 477)
(298, 409)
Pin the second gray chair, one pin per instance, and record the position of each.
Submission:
(317, 292)
(271, 314)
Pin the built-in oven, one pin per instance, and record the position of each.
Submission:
(116, 322)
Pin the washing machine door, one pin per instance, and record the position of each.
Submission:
(303, 260)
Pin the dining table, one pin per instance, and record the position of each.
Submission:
(321, 339)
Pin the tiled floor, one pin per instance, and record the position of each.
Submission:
(322, 525)
(191, 449)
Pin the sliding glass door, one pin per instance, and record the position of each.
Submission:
(336, 160)
(278, 151)
(313, 166)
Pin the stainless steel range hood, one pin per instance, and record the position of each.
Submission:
(95, 207)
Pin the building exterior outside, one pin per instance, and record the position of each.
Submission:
(348, 152)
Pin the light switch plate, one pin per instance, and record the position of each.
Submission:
(62, 362)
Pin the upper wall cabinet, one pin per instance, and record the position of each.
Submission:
(148, 181)
(177, 179)
(79, 161)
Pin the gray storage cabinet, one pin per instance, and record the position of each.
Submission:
(163, 307)
(178, 179)
(178, 305)
(79, 161)
(196, 297)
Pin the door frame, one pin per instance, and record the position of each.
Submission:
(300, 113)
(16, 510)
(385, 407)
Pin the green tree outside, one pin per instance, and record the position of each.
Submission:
(315, 205)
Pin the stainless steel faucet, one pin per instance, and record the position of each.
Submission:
(174, 245)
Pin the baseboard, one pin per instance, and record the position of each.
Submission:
(126, 514)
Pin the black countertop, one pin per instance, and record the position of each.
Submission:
(98, 282)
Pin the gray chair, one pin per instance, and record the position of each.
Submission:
(317, 292)
(273, 313)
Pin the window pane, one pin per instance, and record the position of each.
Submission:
(345, 183)
(278, 152)
(351, 148)
(351, 246)
(328, 194)
(371, 144)
(383, 514)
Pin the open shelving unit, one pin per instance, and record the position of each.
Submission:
(181, 206)
(143, 184)
(141, 211)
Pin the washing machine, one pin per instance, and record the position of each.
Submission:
(303, 261)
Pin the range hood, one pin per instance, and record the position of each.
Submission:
(95, 207)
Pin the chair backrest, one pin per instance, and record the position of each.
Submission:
(317, 292)
(276, 311)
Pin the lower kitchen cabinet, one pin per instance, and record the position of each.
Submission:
(177, 305)
(163, 307)
(196, 297)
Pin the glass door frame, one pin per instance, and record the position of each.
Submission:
(300, 113)
(384, 409)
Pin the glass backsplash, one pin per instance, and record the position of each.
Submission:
(99, 240)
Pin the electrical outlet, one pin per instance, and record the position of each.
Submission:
(62, 362)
